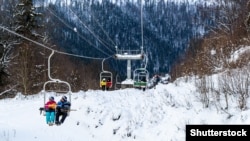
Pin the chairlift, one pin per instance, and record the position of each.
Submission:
(66, 92)
(107, 77)
(117, 82)
(45, 90)
(140, 78)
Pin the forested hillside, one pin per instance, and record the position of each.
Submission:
(177, 38)
(168, 28)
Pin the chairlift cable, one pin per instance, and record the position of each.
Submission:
(70, 27)
(97, 37)
(91, 31)
(103, 29)
(44, 46)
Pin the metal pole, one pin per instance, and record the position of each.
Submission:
(49, 64)
(129, 69)
(102, 64)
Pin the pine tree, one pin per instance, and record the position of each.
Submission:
(27, 23)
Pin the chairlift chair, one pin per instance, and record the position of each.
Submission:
(57, 91)
(108, 77)
(140, 78)
(45, 91)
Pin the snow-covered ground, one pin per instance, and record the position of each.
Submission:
(159, 114)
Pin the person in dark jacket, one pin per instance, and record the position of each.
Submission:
(50, 108)
(62, 109)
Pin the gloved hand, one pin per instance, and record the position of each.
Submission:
(58, 108)
(52, 106)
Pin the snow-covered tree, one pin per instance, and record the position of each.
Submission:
(5, 57)
(7, 43)
(28, 23)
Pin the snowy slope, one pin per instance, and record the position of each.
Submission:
(159, 114)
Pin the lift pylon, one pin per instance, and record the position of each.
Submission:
(129, 55)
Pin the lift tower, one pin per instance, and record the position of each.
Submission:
(129, 55)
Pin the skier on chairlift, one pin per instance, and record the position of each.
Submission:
(50, 107)
(62, 109)
(103, 84)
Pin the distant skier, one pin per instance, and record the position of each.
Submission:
(50, 107)
(62, 109)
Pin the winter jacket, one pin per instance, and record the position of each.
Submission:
(102, 83)
(50, 106)
(63, 106)
(109, 84)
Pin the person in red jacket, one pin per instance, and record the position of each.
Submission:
(50, 108)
